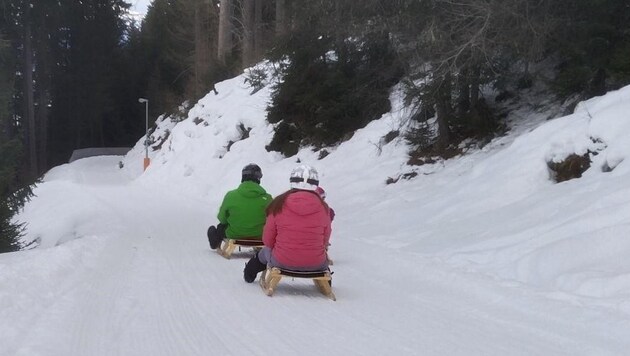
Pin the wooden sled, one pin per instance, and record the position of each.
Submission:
(271, 277)
(229, 245)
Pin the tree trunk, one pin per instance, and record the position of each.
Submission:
(249, 25)
(43, 99)
(29, 107)
(463, 88)
(474, 86)
(340, 32)
(197, 55)
(258, 28)
(202, 55)
(281, 18)
(290, 15)
(444, 112)
(225, 31)
(42, 92)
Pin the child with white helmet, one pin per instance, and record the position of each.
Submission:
(297, 229)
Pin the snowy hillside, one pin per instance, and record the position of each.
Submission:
(479, 255)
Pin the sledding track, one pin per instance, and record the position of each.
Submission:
(151, 286)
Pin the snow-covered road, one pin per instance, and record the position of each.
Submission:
(143, 282)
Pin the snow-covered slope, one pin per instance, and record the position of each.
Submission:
(479, 255)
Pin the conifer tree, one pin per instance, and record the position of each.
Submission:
(11, 198)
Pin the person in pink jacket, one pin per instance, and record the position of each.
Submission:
(297, 228)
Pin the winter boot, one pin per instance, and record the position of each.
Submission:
(252, 268)
(213, 238)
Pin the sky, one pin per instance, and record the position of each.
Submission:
(482, 254)
(139, 7)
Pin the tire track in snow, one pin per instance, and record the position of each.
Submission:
(151, 318)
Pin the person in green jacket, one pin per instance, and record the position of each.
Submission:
(242, 212)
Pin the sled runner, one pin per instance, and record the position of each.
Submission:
(272, 276)
(229, 245)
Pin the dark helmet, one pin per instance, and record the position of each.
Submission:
(251, 172)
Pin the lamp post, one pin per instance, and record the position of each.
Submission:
(147, 160)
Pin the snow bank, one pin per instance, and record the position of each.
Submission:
(494, 210)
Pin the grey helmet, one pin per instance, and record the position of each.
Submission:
(251, 172)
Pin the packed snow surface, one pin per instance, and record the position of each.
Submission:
(482, 254)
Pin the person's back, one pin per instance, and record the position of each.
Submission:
(242, 212)
(302, 231)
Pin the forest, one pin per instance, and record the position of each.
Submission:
(73, 71)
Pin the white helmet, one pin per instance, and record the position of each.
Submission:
(304, 177)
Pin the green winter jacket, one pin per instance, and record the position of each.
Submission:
(243, 211)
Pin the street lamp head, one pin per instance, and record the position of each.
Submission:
(143, 100)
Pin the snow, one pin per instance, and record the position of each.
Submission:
(478, 255)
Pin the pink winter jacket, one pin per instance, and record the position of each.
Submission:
(299, 234)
